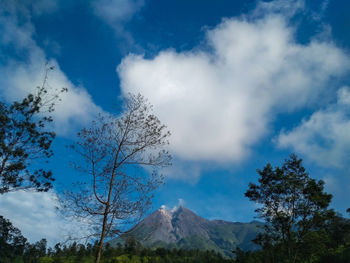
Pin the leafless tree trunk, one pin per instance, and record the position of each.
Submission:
(121, 155)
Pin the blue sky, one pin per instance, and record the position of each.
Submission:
(238, 83)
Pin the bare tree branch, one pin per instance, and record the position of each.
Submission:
(113, 148)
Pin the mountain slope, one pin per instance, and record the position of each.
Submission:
(182, 228)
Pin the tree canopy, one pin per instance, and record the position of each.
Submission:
(294, 207)
(25, 137)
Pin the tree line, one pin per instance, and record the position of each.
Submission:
(330, 244)
(15, 249)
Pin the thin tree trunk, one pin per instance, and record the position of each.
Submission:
(100, 243)
(105, 215)
(105, 231)
(99, 252)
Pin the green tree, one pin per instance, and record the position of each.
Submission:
(33, 252)
(12, 243)
(294, 207)
(24, 138)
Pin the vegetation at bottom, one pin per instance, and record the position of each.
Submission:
(331, 244)
(17, 250)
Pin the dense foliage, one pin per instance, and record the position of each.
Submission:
(24, 138)
(329, 244)
(15, 248)
(299, 227)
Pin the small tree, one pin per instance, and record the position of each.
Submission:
(115, 151)
(293, 205)
(24, 138)
(12, 243)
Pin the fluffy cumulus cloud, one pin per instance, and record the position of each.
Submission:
(35, 214)
(219, 103)
(325, 136)
(23, 69)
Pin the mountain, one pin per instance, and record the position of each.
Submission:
(182, 228)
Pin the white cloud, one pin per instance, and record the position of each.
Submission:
(35, 214)
(219, 103)
(180, 170)
(76, 106)
(29, 7)
(332, 184)
(19, 77)
(286, 7)
(115, 11)
(324, 137)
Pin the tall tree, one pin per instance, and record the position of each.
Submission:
(293, 205)
(115, 151)
(24, 138)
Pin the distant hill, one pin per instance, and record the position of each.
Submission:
(182, 228)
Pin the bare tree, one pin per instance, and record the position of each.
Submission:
(121, 155)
